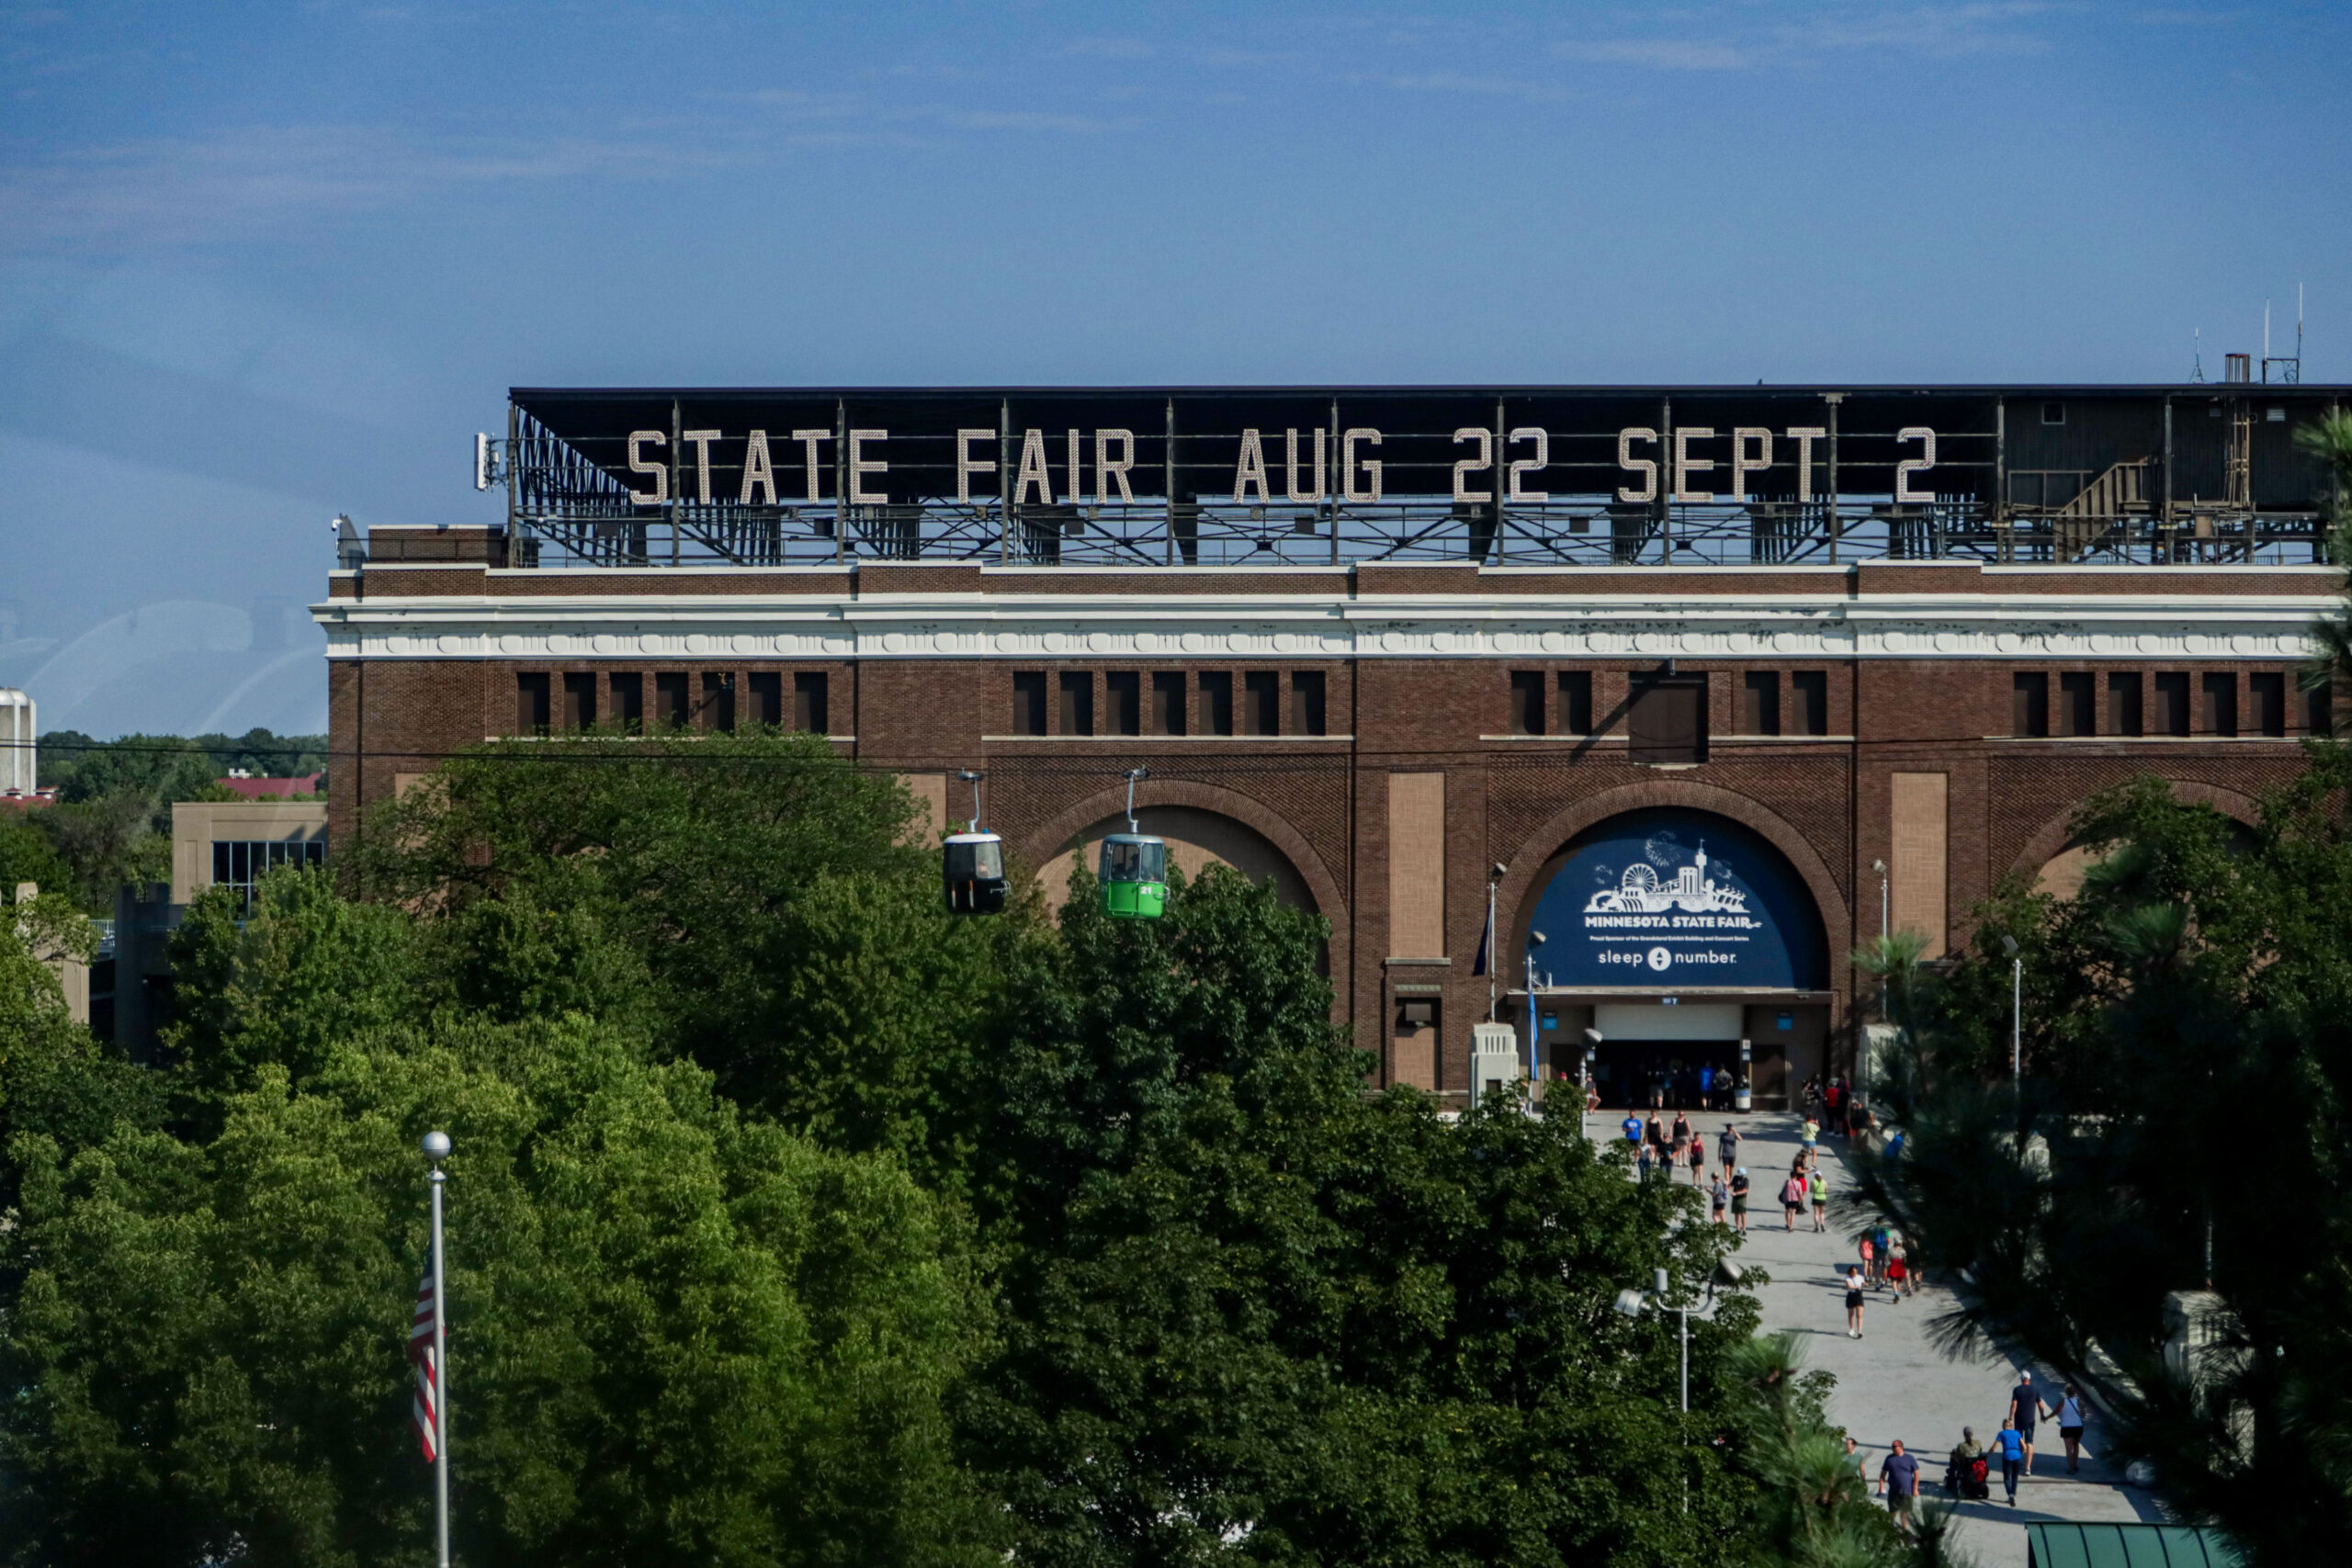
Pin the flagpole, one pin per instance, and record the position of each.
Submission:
(436, 1149)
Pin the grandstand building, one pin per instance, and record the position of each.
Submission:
(1705, 684)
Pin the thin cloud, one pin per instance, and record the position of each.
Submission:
(1111, 48)
(1990, 28)
(1477, 86)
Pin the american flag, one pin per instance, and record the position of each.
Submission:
(428, 1406)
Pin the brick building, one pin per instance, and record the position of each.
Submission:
(1704, 684)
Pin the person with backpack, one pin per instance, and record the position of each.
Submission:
(1793, 1196)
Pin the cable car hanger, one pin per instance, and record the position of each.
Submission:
(1135, 866)
(972, 862)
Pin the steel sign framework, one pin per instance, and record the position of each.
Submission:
(1507, 477)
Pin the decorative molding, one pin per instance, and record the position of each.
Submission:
(1289, 626)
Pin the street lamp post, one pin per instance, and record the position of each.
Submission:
(1880, 866)
(2016, 1009)
(1631, 1303)
(436, 1149)
(1584, 1080)
(1534, 1075)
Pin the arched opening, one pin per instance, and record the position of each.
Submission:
(1681, 938)
(1196, 840)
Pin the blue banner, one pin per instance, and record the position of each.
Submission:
(1664, 898)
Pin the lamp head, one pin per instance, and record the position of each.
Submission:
(1629, 1302)
(1593, 1035)
(436, 1146)
(2009, 946)
(1499, 870)
(1879, 866)
(1534, 939)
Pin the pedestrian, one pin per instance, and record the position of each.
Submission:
(1812, 1097)
(1698, 1159)
(1811, 1135)
(1853, 1301)
(1792, 1194)
(1656, 1133)
(1819, 1185)
(1720, 1196)
(1645, 1162)
(1879, 1240)
(1902, 1471)
(1727, 1147)
(2025, 1409)
(1739, 1200)
(1633, 1128)
(1833, 1098)
(1868, 1250)
(1967, 1455)
(1898, 1275)
(1855, 1458)
(2070, 1426)
(2013, 1451)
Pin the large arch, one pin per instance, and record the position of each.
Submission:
(2057, 860)
(1528, 869)
(1048, 844)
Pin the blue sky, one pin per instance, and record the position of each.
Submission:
(262, 264)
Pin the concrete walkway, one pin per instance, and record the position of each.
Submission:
(1893, 1382)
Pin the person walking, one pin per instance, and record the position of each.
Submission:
(1811, 1135)
(1656, 1133)
(1855, 1456)
(2025, 1409)
(1818, 1184)
(1646, 1163)
(1898, 1273)
(1631, 1127)
(1902, 1471)
(1727, 1148)
(1868, 1250)
(1739, 1200)
(1698, 1160)
(2070, 1427)
(2013, 1451)
(1719, 1195)
(1793, 1195)
(1853, 1301)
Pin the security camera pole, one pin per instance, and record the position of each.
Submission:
(436, 1149)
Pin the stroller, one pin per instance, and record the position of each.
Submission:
(1968, 1477)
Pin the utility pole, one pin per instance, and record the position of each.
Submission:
(436, 1149)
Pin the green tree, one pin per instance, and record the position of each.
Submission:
(1252, 1311)
(2202, 987)
(676, 1338)
(26, 854)
(751, 901)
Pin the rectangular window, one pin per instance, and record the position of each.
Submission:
(670, 703)
(767, 698)
(239, 863)
(1261, 702)
(2029, 703)
(2269, 691)
(2053, 413)
(1168, 703)
(2078, 702)
(1077, 702)
(1810, 689)
(2319, 715)
(2172, 703)
(1759, 702)
(1029, 702)
(1576, 701)
(2123, 715)
(1527, 702)
(1123, 690)
(809, 703)
(2220, 710)
(1412, 1052)
(1669, 721)
(1307, 702)
(531, 704)
(580, 702)
(628, 703)
(1216, 702)
(718, 700)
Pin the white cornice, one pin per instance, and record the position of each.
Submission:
(1324, 625)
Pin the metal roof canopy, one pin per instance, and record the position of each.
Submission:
(2126, 1546)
